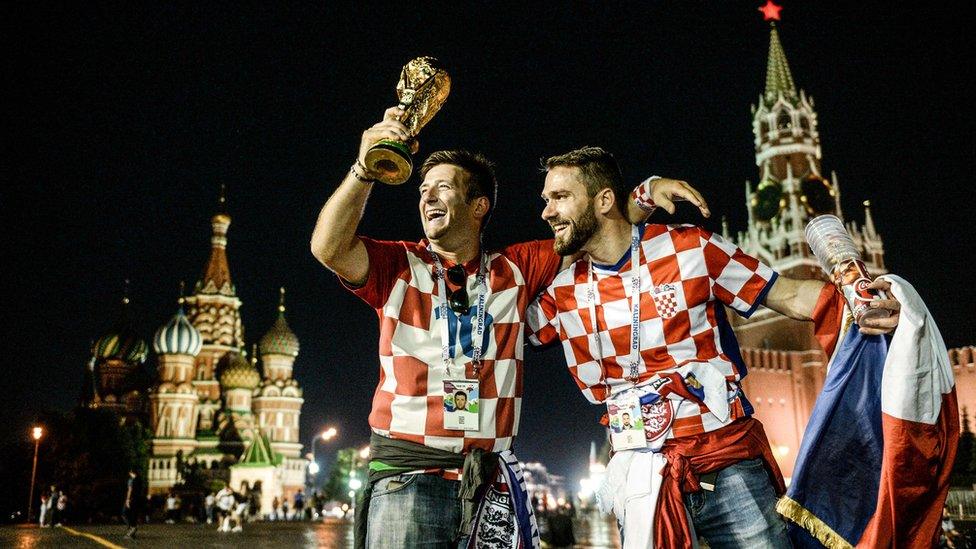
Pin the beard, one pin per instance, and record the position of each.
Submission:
(580, 231)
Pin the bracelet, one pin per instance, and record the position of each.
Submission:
(642, 195)
(360, 176)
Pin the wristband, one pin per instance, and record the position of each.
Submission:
(360, 176)
(642, 195)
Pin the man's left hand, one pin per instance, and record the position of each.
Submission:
(665, 192)
(882, 325)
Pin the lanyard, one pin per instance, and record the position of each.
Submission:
(634, 357)
(479, 326)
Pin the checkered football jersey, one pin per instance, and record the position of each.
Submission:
(687, 273)
(408, 402)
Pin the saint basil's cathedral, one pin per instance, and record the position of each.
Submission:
(208, 402)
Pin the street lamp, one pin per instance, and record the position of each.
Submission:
(325, 436)
(354, 485)
(37, 433)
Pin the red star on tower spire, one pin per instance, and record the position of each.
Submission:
(770, 11)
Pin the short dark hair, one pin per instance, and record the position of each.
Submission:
(461, 394)
(599, 169)
(481, 175)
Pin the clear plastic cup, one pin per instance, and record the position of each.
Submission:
(839, 258)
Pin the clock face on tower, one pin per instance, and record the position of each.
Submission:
(768, 200)
(817, 195)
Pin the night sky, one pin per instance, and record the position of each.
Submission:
(125, 120)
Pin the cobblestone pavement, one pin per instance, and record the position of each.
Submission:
(596, 533)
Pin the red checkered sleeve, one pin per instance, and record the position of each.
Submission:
(542, 319)
(387, 262)
(537, 261)
(738, 279)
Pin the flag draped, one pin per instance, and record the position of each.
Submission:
(874, 464)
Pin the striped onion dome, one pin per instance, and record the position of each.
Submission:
(122, 344)
(177, 337)
(280, 340)
(240, 374)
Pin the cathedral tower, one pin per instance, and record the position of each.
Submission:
(214, 310)
(278, 401)
(174, 400)
(174, 403)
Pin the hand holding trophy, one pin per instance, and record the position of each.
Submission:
(422, 89)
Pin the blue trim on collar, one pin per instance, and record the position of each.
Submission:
(623, 260)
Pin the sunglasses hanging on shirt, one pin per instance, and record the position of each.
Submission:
(458, 299)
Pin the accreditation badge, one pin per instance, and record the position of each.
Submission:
(461, 405)
(626, 422)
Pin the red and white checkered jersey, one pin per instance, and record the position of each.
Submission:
(687, 273)
(409, 399)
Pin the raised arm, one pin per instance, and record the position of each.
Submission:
(659, 192)
(334, 241)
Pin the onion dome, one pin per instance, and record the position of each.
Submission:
(280, 340)
(178, 336)
(240, 374)
(122, 343)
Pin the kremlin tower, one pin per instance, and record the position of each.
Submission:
(786, 364)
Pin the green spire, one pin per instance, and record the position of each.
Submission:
(259, 452)
(778, 76)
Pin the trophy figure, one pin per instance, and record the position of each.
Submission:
(422, 89)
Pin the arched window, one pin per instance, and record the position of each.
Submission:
(783, 121)
(804, 124)
(763, 128)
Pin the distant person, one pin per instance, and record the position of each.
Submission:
(949, 535)
(209, 506)
(42, 514)
(299, 505)
(225, 504)
(132, 503)
(171, 508)
(61, 509)
(52, 514)
(239, 514)
(275, 508)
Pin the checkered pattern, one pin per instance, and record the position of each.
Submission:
(408, 402)
(687, 273)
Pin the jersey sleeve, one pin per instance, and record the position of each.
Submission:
(387, 261)
(738, 279)
(542, 319)
(538, 262)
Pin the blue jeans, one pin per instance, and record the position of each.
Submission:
(414, 511)
(741, 512)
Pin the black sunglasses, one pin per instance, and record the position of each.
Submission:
(458, 299)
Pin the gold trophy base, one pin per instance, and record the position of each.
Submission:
(390, 162)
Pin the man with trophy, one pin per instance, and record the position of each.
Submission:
(451, 314)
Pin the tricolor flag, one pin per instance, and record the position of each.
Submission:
(873, 468)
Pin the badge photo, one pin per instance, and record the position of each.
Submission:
(626, 423)
(461, 405)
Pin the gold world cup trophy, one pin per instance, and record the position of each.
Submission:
(422, 89)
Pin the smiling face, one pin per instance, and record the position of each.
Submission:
(444, 209)
(569, 209)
